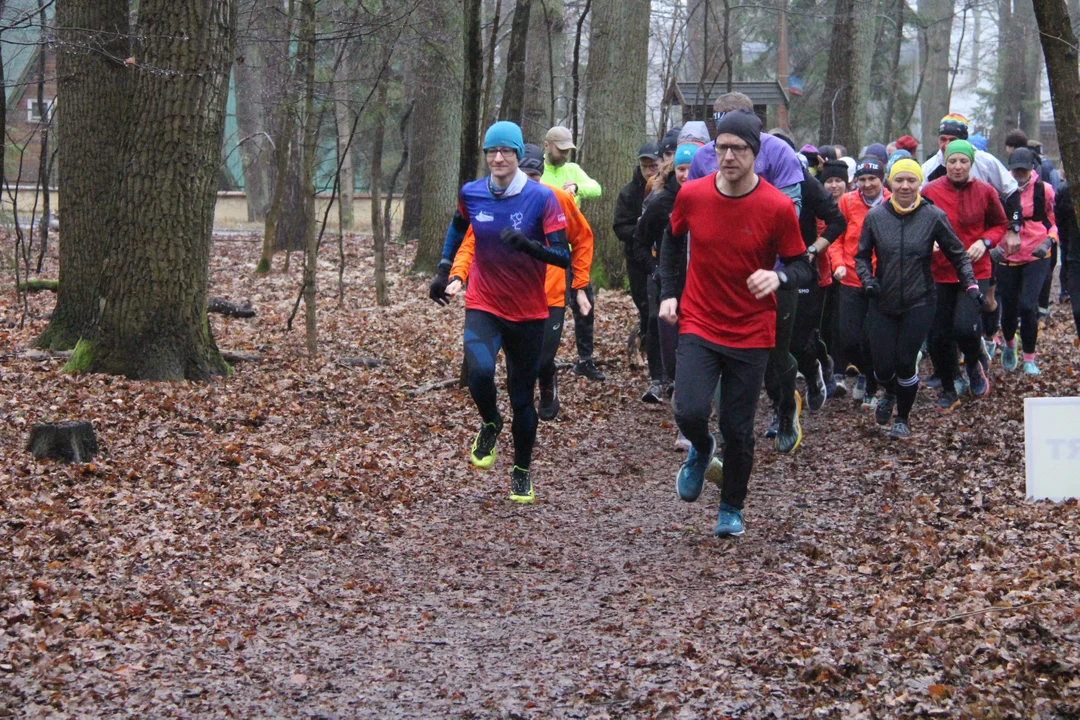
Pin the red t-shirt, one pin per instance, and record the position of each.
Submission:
(730, 239)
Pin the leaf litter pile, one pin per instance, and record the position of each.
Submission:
(306, 539)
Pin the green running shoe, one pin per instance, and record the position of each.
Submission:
(482, 454)
(521, 490)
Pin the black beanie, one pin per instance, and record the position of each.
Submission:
(532, 158)
(870, 165)
(743, 124)
(670, 140)
(834, 169)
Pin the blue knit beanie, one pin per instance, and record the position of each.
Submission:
(505, 134)
(897, 155)
(684, 154)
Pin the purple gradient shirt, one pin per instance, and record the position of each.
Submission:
(776, 162)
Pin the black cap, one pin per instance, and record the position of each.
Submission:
(744, 125)
(870, 165)
(650, 150)
(834, 169)
(1022, 157)
(532, 159)
(670, 141)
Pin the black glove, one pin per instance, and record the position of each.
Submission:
(975, 294)
(437, 289)
(1044, 248)
(872, 288)
(997, 255)
(515, 239)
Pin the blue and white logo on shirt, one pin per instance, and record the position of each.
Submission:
(484, 217)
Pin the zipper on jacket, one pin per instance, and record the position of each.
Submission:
(903, 300)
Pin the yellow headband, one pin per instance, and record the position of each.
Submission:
(906, 165)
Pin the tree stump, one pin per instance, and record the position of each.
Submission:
(68, 441)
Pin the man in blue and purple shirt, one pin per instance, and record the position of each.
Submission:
(520, 229)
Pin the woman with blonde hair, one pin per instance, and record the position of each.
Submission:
(901, 234)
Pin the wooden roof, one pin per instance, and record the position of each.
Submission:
(766, 92)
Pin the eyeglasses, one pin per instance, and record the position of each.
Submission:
(506, 152)
(722, 150)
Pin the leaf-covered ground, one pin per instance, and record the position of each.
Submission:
(304, 539)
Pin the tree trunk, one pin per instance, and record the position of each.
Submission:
(286, 116)
(615, 119)
(344, 116)
(846, 96)
(388, 205)
(3, 115)
(836, 98)
(306, 51)
(859, 112)
(251, 115)
(1031, 110)
(513, 99)
(1059, 46)
(46, 122)
(378, 136)
(892, 83)
(1015, 104)
(575, 71)
(936, 19)
(472, 93)
(489, 72)
(418, 154)
(544, 46)
(292, 225)
(153, 323)
(93, 85)
(438, 115)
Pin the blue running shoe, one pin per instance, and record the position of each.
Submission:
(985, 357)
(961, 384)
(1009, 359)
(830, 378)
(774, 426)
(933, 382)
(691, 475)
(978, 380)
(728, 522)
(1030, 368)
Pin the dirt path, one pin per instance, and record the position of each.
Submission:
(304, 540)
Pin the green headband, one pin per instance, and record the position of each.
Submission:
(960, 146)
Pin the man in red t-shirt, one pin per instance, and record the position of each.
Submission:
(739, 225)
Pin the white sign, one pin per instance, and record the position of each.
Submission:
(1052, 448)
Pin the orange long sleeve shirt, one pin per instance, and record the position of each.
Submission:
(842, 251)
(578, 234)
